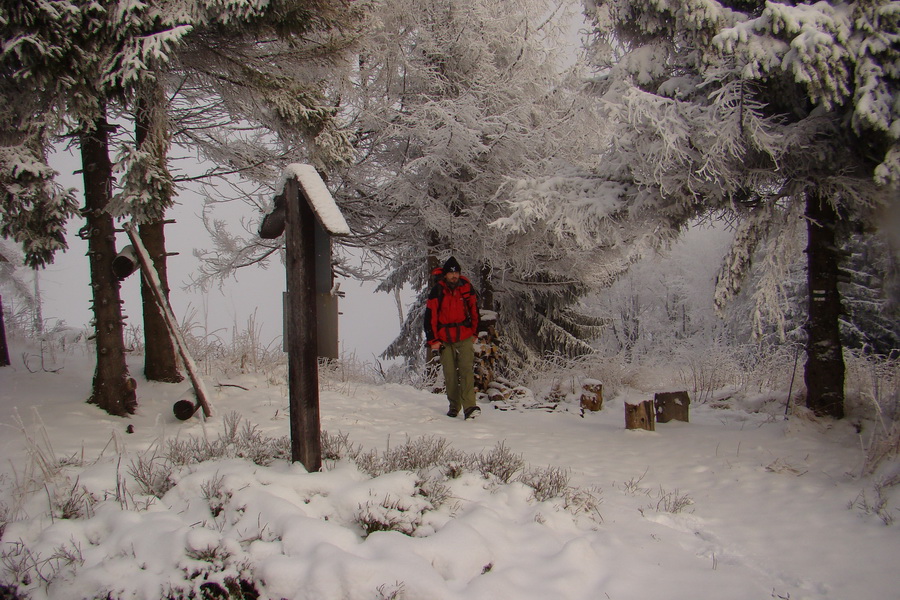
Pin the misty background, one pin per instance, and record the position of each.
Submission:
(252, 297)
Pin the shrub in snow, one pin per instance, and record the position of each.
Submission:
(153, 474)
(338, 446)
(672, 502)
(548, 483)
(500, 462)
(420, 454)
(879, 505)
(237, 440)
(208, 519)
(392, 514)
(9, 593)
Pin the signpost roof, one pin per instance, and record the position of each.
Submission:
(320, 199)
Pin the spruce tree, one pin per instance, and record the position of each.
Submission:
(452, 102)
(755, 109)
(67, 64)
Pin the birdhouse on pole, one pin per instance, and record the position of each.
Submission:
(308, 215)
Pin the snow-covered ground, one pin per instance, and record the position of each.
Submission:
(733, 505)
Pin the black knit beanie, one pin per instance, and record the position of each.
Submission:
(451, 266)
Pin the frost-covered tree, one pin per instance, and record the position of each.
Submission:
(34, 208)
(148, 184)
(70, 60)
(10, 281)
(11, 273)
(452, 101)
(761, 110)
(776, 293)
(252, 97)
(665, 300)
(86, 60)
(871, 319)
(241, 90)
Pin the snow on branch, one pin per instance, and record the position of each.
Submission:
(568, 204)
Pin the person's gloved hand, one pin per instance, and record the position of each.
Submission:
(435, 345)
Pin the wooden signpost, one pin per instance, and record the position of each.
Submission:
(308, 204)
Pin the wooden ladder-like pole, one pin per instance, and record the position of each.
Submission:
(153, 282)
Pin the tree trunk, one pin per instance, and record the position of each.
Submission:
(824, 373)
(113, 389)
(160, 359)
(38, 321)
(4, 349)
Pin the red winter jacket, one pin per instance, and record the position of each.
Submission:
(451, 314)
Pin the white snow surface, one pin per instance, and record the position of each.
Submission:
(770, 506)
(320, 197)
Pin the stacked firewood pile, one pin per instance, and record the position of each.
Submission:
(487, 352)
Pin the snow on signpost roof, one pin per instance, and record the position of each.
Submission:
(320, 198)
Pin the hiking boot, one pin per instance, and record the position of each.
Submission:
(452, 412)
(472, 412)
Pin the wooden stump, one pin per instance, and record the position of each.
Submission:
(591, 395)
(640, 416)
(672, 406)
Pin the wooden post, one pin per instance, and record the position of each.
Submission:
(307, 207)
(303, 366)
(326, 302)
(672, 406)
(640, 416)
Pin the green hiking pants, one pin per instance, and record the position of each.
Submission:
(458, 361)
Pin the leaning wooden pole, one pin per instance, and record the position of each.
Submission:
(302, 336)
(150, 275)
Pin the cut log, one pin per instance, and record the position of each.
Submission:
(591, 395)
(640, 416)
(487, 352)
(672, 406)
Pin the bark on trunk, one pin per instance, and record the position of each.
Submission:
(113, 388)
(4, 349)
(824, 372)
(160, 358)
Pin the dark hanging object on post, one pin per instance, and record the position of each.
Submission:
(272, 224)
(125, 263)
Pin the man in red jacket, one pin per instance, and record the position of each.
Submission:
(451, 323)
